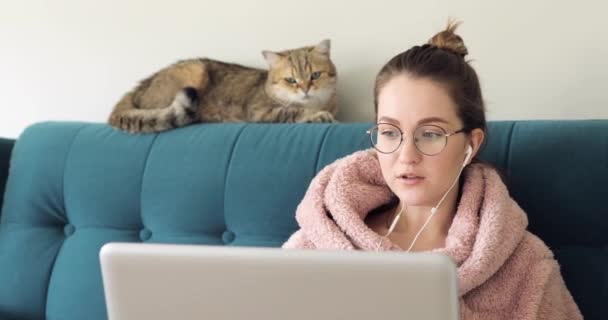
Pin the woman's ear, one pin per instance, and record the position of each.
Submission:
(476, 137)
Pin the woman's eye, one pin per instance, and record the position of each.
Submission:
(431, 135)
(389, 134)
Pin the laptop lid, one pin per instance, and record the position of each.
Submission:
(162, 281)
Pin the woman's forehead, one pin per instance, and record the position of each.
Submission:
(410, 101)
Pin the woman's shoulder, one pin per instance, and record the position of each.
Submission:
(530, 252)
(518, 266)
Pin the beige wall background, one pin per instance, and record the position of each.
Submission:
(73, 59)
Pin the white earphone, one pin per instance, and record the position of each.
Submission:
(469, 152)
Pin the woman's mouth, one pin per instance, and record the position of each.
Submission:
(410, 179)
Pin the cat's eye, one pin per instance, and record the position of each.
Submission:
(315, 75)
(290, 80)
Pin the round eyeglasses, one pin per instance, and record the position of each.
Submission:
(428, 139)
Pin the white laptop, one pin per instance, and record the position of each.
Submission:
(159, 281)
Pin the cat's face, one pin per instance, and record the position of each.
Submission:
(304, 76)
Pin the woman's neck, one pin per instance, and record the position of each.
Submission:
(413, 218)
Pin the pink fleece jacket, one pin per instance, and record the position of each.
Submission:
(504, 271)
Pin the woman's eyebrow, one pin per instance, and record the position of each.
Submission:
(420, 122)
(432, 119)
(388, 119)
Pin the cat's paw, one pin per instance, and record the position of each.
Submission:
(126, 124)
(320, 116)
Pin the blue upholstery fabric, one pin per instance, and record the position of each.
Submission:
(76, 186)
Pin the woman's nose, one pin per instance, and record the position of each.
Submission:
(408, 153)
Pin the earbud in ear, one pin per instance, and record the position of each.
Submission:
(469, 152)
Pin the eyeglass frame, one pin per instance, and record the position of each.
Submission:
(446, 135)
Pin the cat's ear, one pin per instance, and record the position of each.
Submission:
(271, 57)
(323, 47)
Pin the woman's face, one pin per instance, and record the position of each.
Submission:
(408, 103)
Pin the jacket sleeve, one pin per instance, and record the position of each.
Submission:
(298, 240)
(547, 296)
(557, 302)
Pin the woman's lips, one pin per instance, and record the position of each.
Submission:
(410, 179)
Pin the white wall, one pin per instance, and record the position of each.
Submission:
(73, 59)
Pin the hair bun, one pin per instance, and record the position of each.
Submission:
(449, 40)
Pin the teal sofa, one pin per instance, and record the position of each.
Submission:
(72, 187)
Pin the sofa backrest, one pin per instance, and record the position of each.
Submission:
(76, 186)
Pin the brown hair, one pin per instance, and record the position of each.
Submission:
(441, 60)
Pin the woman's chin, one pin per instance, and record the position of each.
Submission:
(413, 199)
(412, 196)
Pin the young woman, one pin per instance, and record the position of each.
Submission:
(422, 189)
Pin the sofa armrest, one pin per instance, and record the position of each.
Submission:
(6, 147)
